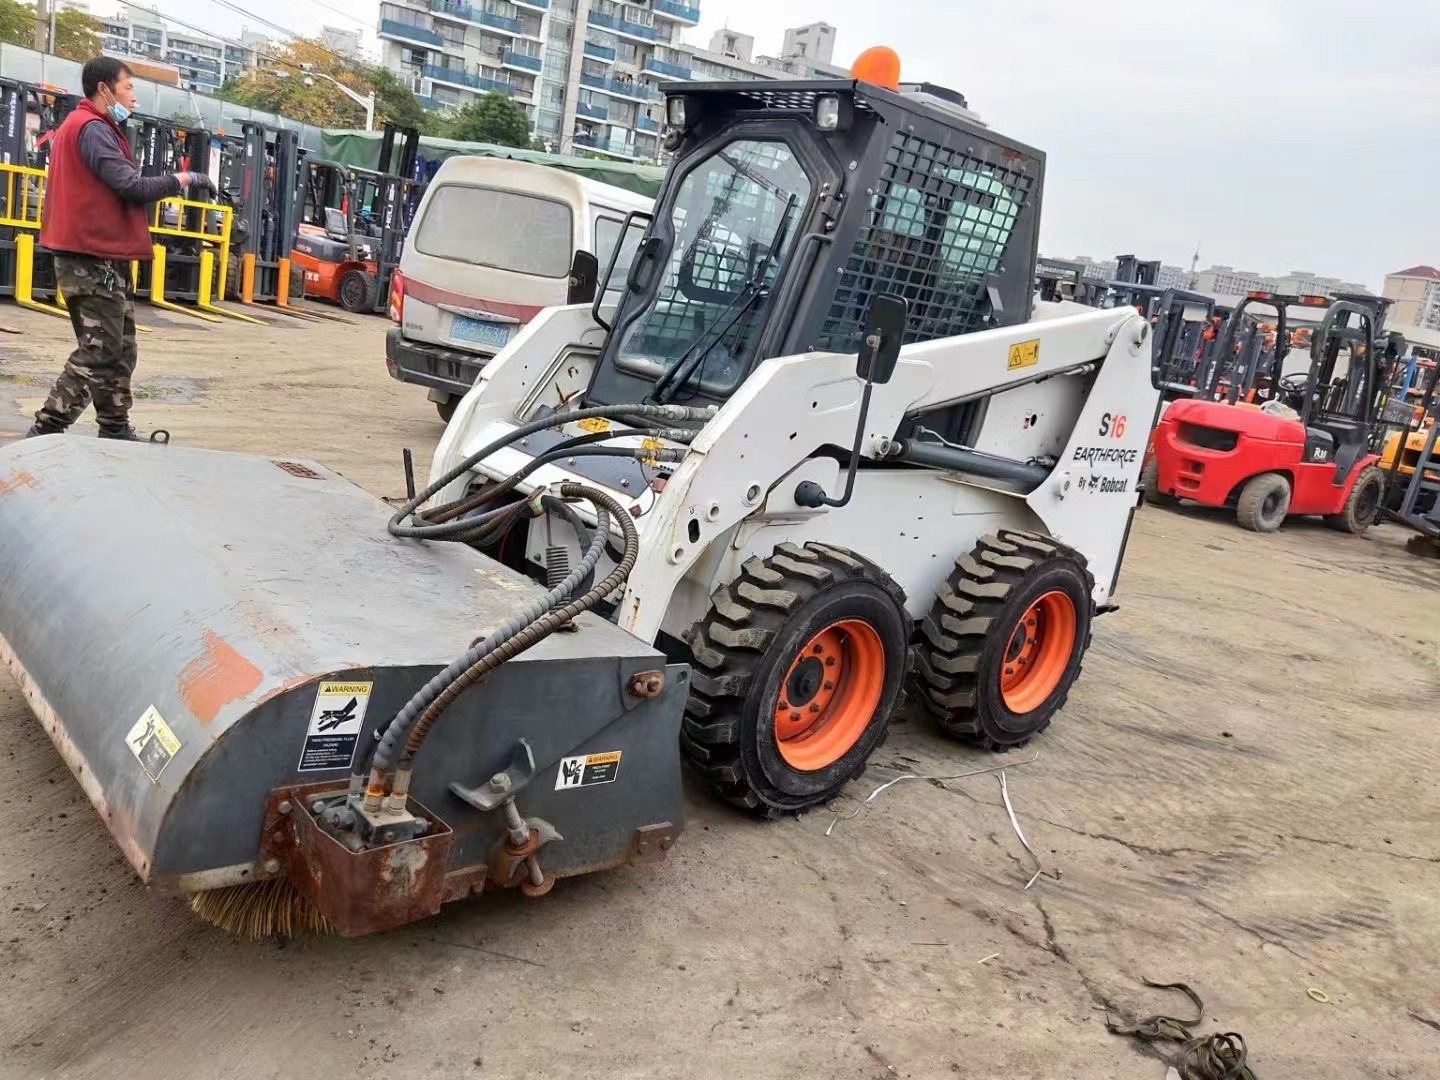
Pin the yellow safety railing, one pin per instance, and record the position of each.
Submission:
(19, 181)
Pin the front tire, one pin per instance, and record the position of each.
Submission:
(356, 292)
(1264, 502)
(1362, 506)
(1005, 639)
(799, 665)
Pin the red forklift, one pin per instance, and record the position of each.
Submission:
(1305, 452)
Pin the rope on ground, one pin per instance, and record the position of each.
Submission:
(1218, 1056)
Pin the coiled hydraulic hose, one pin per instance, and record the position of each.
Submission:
(398, 729)
(426, 530)
(541, 628)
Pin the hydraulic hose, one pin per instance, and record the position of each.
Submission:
(399, 728)
(674, 413)
(536, 631)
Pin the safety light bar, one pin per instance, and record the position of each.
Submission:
(1315, 301)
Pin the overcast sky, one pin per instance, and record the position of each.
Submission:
(1276, 134)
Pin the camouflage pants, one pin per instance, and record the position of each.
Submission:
(102, 311)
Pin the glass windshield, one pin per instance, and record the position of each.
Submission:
(734, 218)
(509, 230)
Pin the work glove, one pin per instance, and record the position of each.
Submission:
(196, 185)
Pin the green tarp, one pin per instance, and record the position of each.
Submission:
(362, 150)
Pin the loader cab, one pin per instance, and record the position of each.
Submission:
(789, 207)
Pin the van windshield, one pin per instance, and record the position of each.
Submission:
(509, 230)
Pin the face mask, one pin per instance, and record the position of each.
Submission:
(119, 113)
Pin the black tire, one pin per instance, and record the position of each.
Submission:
(1264, 502)
(356, 291)
(973, 635)
(1362, 507)
(756, 642)
(447, 408)
(297, 283)
(1150, 485)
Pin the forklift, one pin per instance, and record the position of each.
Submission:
(160, 147)
(260, 176)
(353, 225)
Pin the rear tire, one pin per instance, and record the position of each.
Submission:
(798, 666)
(297, 283)
(356, 292)
(1362, 507)
(1264, 502)
(1005, 639)
(1150, 484)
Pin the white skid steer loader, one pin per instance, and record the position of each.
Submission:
(953, 506)
(823, 443)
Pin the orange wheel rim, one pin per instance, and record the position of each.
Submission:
(1038, 652)
(829, 694)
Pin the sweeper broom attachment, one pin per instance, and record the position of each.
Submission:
(213, 642)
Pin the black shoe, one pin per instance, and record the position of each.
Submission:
(38, 428)
(125, 434)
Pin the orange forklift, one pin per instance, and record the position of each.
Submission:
(353, 225)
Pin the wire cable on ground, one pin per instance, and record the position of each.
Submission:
(1218, 1056)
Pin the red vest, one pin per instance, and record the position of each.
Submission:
(81, 214)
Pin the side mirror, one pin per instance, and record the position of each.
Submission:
(883, 335)
(584, 278)
(642, 270)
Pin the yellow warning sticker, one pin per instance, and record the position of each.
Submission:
(153, 743)
(587, 769)
(594, 423)
(1024, 354)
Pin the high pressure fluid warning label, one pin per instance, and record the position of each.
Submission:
(587, 770)
(335, 724)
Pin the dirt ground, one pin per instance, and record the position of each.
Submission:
(1241, 794)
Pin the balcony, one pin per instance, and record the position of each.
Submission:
(469, 80)
(452, 9)
(625, 29)
(496, 22)
(600, 52)
(631, 91)
(644, 123)
(521, 62)
(610, 149)
(406, 32)
(668, 71)
(533, 5)
(591, 112)
(679, 12)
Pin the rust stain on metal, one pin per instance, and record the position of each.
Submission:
(647, 684)
(215, 678)
(294, 468)
(18, 478)
(286, 687)
(357, 892)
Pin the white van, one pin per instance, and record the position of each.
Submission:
(491, 245)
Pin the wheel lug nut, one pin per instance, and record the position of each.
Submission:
(829, 661)
(829, 686)
(795, 716)
(819, 649)
(814, 708)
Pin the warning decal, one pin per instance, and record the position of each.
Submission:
(586, 770)
(153, 743)
(335, 725)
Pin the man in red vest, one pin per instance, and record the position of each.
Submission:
(95, 223)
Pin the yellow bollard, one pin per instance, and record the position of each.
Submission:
(25, 277)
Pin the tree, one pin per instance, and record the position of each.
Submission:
(77, 35)
(279, 85)
(17, 23)
(494, 118)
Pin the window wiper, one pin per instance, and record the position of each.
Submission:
(680, 372)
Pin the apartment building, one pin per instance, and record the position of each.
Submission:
(1416, 293)
(586, 71)
(204, 62)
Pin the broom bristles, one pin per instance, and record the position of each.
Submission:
(260, 910)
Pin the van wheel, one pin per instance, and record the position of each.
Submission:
(447, 408)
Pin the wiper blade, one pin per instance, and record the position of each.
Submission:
(690, 361)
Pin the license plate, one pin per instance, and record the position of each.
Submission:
(480, 331)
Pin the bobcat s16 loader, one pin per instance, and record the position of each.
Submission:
(820, 448)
